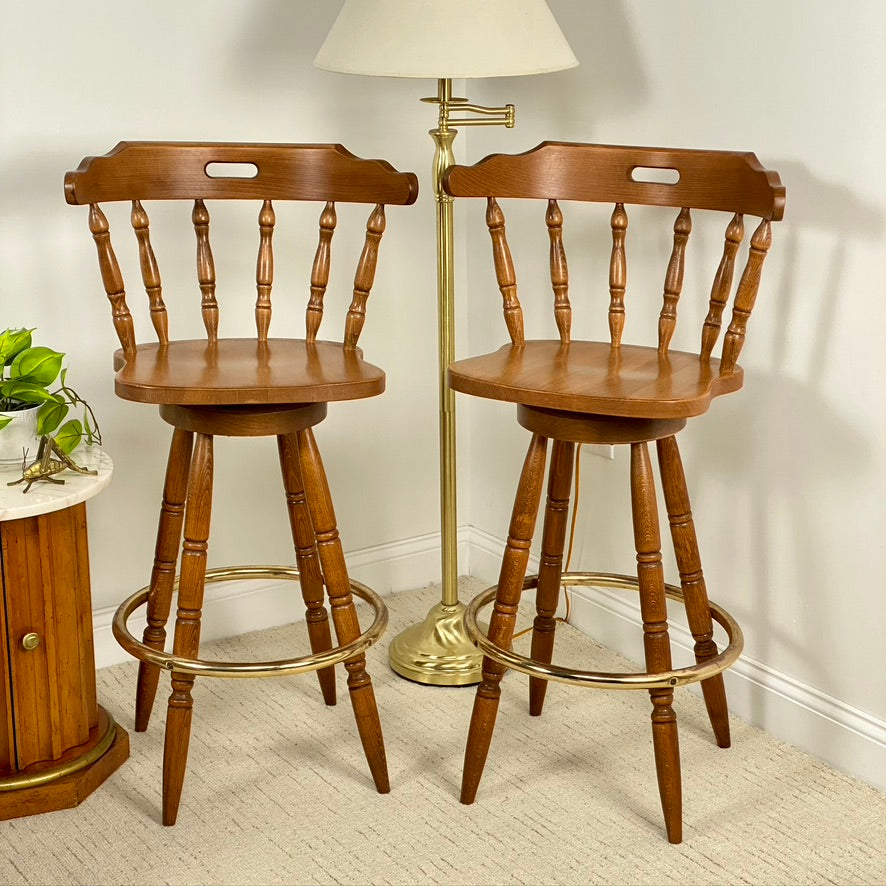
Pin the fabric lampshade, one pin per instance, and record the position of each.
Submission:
(445, 39)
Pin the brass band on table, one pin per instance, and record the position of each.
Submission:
(66, 767)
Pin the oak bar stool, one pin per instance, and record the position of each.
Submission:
(573, 392)
(242, 387)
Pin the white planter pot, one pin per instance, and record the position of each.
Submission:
(19, 435)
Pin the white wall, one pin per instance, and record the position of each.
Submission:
(787, 476)
(74, 82)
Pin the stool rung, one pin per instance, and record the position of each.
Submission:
(204, 668)
(600, 679)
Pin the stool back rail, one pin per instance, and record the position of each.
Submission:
(241, 387)
(576, 391)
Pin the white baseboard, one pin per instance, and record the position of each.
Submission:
(845, 737)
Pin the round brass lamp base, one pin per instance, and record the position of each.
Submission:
(437, 651)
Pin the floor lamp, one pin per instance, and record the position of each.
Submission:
(445, 40)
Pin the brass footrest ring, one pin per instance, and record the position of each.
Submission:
(203, 668)
(598, 679)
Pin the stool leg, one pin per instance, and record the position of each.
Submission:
(695, 593)
(169, 534)
(553, 541)
(187, 624)
(656, 642)
(504, 614)
(344, 613)
(310, 576)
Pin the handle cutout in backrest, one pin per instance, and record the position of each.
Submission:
(218, 169)
(655, 175)
(727, 181)
(188, 170)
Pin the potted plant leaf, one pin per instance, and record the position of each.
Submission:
(35, 399)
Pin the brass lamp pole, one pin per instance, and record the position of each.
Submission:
(460, 39)
(438, 650)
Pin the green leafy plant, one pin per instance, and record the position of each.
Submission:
(33, 376)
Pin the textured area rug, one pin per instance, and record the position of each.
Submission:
(278, 791)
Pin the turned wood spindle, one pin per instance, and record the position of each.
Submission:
(264, 270)
(112, 279)
(187, 623)
(150, 272)
(504, 614)
(746, 295)
(364, 277)
(618, 275)
(205, 270)
(559, 271)
(722, 285)
(341, 604)
(667, 320)
(504, 271)
(656, 642)
(169, 536)
(320, 272)
(308, 560)
(551, 567)
(692, 581)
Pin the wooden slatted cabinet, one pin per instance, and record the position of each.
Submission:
(57, 745)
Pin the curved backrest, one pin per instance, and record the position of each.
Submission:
(144, 171)
(726, 181)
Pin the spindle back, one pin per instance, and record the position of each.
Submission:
(725, 181)
(197, 172)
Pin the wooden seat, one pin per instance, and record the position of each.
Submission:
(259, 386)
(592, 377)
(574, 391)
(245, 371)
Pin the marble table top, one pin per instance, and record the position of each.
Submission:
(45, 497)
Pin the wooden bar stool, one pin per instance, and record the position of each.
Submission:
(242, 387)
(572, 391)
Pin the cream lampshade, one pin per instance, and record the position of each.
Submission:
(452, 39)
(445, 40)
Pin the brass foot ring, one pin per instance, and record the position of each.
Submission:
(203, 668)
(599, 679)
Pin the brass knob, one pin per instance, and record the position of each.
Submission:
(30, 641)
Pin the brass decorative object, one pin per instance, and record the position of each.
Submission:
(45, 467)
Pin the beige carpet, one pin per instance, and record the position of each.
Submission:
(277, 791)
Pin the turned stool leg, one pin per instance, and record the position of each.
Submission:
(553, 541)
(695, 593)
(187, 624)
(310, 576)
(169, 534)
(656, 642)
(504, 614)
(344, 613)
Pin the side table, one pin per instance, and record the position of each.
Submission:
(57, 744)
